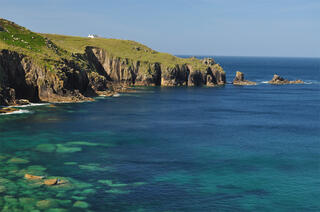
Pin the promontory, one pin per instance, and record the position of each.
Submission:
(56, 68)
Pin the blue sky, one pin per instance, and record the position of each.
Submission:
(192, 27)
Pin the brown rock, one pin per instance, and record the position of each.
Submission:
(239, 80)
(33, 177)
(277, 80)
(22, 102)
(55, 182)
(8, 110)
(208, 61)
(51, 182)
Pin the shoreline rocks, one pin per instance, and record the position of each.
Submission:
(239, 80)
(94, 73)
(5, 110)
(277, 80)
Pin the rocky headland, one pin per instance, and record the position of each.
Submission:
(239, 80)
(55, 68)
(277, 80)
(38, 67)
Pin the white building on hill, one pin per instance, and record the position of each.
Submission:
(92, 36)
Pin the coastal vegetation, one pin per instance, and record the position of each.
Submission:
(58, 68)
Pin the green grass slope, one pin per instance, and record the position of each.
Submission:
(119, 48)
(46, 49)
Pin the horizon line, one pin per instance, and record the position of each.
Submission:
(259, 56)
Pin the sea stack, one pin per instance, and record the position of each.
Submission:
(239, 80)
(277, 80)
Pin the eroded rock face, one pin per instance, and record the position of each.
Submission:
(7, 96)
(208, 61)
(129, 72)
(175, 76)
(239, 80)
(23, 79)
(94, 73)
(277, 80)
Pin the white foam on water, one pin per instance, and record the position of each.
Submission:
(33, 105)
(309, 82)
(116, 95)
(16, 112)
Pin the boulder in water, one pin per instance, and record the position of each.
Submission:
(22, 102)
(51, 182)
(33, 177)
(277, 80)
(239, 80)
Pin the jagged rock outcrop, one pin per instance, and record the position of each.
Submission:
(239, 80)
(175, 76)
(129, 72)
(208, 61)
(277, 80)
(23, 79)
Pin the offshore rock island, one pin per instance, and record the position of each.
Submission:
(55, 68)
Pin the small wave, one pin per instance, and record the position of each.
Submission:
(264, 82)
(309, 82)
(16, 112)
(32, 105)
(116, 95)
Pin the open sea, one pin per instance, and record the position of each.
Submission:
(229, 148)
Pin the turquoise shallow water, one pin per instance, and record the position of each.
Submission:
(228, 148)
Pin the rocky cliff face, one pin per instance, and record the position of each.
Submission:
(20, 78)
(131, 72)
(23, 79)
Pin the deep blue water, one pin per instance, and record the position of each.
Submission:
(230, 148)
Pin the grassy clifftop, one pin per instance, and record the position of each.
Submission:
(46, 47)
(119, 48)
(49, 67)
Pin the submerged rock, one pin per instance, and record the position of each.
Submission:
(18, 160)
(80, 204)
(55, 182)
(46, 148)
(111, 184)
(33, 177)
(239, 80)
(2, 189)
(45, 204)
(51, 182)
(61, 148)
(277, 80)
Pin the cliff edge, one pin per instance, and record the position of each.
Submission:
(57, 68)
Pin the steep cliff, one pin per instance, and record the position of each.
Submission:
(56, 68)
(136, 72)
